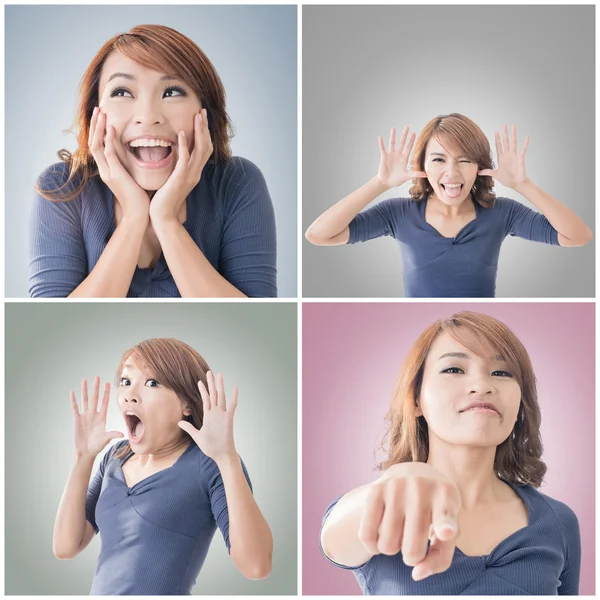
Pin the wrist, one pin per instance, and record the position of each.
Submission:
(84, 457)
(380, 186)
(134, 222)
(228, 461)
(522, 187)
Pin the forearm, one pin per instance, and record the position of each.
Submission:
(335, 220)
(194, 276)
(339, 537)
(111, 276)
(563, 219)
(69, 526)
(250, 538)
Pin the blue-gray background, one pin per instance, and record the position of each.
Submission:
(50, 347)
(48, 48)
(366, 69)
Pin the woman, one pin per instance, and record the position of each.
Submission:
(451, 229)
(158, 497)
(456, 509)
(152, 204)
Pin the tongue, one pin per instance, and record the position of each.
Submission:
(138, 430)
(153, 154)
(453, 192)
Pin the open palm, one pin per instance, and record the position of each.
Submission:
(394, 164)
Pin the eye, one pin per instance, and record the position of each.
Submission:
(119, 92)
(453, 370)
(151, 383)
(502, 373)
(125, 381)
(438, 160)
(465, 161)
(179, 92)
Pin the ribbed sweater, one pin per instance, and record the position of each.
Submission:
(465, 266)
(229, 216)
(155, 535)
(540, 559)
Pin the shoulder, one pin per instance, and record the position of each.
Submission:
(233, 173)
(503, 206)
(563, 513)
(55, 177)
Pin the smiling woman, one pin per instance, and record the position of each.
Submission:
(152, 203)
(159, 496)
(456, 509)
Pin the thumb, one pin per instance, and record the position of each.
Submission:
(445, 529)
(188, 427)
(113, 435)
(485, 172)
(419, 174)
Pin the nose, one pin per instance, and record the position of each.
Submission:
(148, 112)
(480, 385)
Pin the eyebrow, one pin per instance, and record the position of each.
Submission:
(132, 78)
(498, 358)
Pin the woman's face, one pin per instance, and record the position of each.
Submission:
(142, 104)
(444, 168)
(154, 411)
(455, 381)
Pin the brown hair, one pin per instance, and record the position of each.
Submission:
(177, 367)
(464, 137)
(518, 458)
(162, 49)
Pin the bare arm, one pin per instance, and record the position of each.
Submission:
(331, 228)
(72, 532)
(112, 274)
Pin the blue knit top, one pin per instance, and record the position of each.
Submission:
(229, 215)
(464, 266)
(155, 535)
(540, 559)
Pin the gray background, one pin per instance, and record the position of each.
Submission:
(50, 347)
(366, 69)
(48, 48)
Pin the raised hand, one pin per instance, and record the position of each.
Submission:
(393, 164)
(511, 165)
(89, 426)
(167, 201)
(133, 200)
(215, 437)
(408, 505)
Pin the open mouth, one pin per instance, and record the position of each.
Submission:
(135, 426)
(155, 155)
(452, 191)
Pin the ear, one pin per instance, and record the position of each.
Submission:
(186, 411)
(418, 411)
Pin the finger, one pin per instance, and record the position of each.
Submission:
(381, 146)
(513, 139)
(188, 427)
(198, 134)
(93, 122)
(109, 150)
(525, 146)
(416, 531)
(210, 379)
(392, 528)
(233, 401)
(97, 147)
(95, 394)
(112, 435)
(505, 143)
(221, 400)
(84, 395)
(486, 173)
(205, 396)
(403, 139)
(105, 400)
(411, 143)
(392, 139)
(498, 145)
(419, 174)
(74, 405)
(438, 559)
(445, 509)
(368, 530)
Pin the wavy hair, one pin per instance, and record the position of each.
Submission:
(460, 135)
(177, 366)
(162, 49)
(518, 458)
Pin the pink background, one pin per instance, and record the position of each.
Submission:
(352, 353)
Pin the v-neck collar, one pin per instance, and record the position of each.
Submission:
(519, 491)
(423, 210)
(153, 475)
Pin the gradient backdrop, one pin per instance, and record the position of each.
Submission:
(48, 48)
(50, 347)
(352, 354)
(367, 69)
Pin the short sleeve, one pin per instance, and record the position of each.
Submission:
(569, 577)
(95, 486)
(384, 218)
(528, 224)
(218, 501)
(57, 257)
(248, 258)
(325, 516)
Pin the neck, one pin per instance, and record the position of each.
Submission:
(165, 454)
(451, 212)
(470, 468)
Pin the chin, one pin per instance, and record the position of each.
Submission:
(150, 182)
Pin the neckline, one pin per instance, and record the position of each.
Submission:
(131, 453)
(519, 491)
(451, 239)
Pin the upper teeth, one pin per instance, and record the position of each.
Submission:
(131, 413)
(148, 142)
(452, 185)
